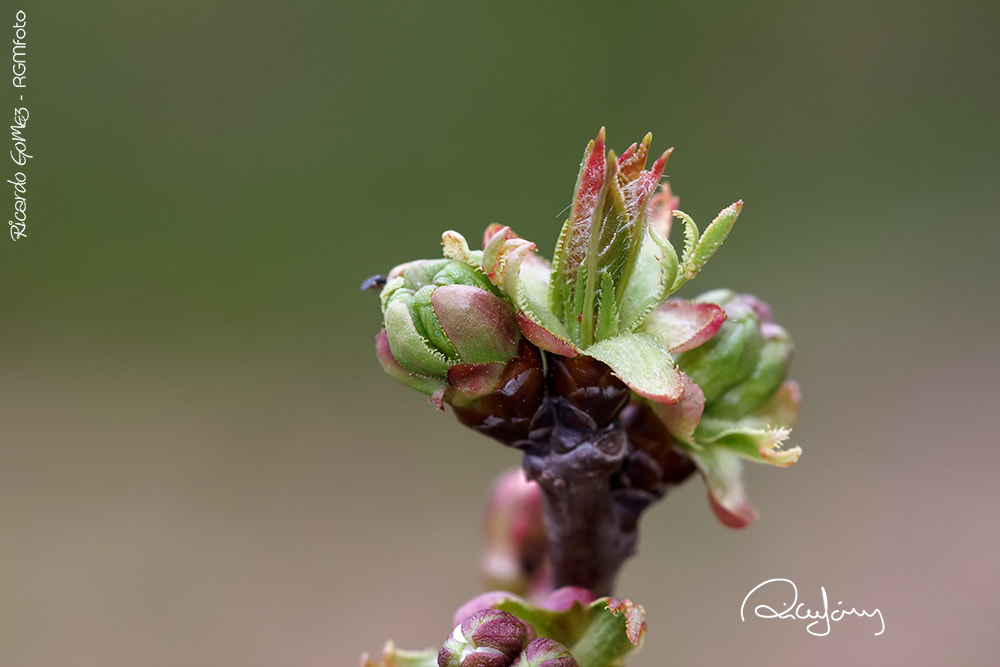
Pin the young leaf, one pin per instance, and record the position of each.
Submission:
(574, 240)
(713, 237)
(641, 362)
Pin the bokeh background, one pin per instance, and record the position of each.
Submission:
(201, 462)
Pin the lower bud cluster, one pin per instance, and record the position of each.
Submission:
(494, 638)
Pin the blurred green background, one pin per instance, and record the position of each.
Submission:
(201, 462)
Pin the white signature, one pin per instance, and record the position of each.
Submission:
(798, 610)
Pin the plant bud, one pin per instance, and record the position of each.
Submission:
(731, 355)
(565, 598)
(514, 558)
(487, 600)
(446, 327)
(748, 338)
(748, 406)
(770, 371)
(489, 638)
(544, 652)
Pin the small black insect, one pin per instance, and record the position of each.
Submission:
(375, 282)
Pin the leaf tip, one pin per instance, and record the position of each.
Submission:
(739, 516)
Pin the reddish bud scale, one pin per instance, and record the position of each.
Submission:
(544, 652)
(488, 638)
(590, 386)
(506, 413)
(654, 465)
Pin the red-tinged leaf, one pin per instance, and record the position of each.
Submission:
(502, 263)
(493, 251)
(739, 514)
(630, 150)
(660, 210)
(481, 326)
(684, 325)
(642, 184)
(544, 339)
(586, 196)
(633, 160)
(457, 248)
(723, 473)
(469, 381)
(409, 348)
(575, 238)
(512, 264)
(640, 361)
(620, 230)
(635, 618)
(681, 418)
(494, 228)
(422, 383)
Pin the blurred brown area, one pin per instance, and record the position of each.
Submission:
(201, 462)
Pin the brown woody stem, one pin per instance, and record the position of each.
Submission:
(589, 536)
(599, 459)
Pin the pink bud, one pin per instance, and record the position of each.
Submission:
(514, 557)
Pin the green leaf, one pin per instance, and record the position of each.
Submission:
(602, 241)
(607, 311)
(421, 383)
(690, 235)
(409, 347)
(427, 325)
(575, 237)
(613, 242)
(598, 635)
(723, 473)
(713, 237)
(767, 376)
(643, 363)
(654, 273)
(683, 325)
(521, 275)
(727, 359)
(457, 248)
(761, 445)
(617, 238)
